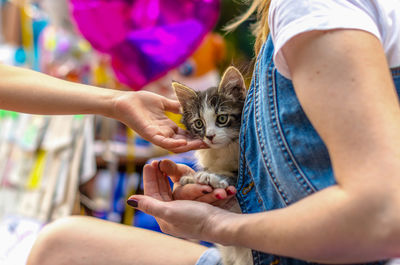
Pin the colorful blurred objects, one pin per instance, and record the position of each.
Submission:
(65, 55)
(200, 71)
(145, 38)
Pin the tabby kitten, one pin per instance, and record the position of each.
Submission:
(214, 115)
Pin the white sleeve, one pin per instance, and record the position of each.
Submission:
(288, 18)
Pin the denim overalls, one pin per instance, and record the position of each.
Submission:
(282, 158)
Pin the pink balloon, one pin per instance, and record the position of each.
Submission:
(145, 38)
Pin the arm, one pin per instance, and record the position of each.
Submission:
(342, 81)
(28, 91)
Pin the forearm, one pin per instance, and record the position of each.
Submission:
(330, 226)
(28, 91)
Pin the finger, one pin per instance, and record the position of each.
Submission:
(184, 134)
(168, 143)
(170, 140)
(191, 191)
(175, 171)
(167, 128)
(172, 105)
(215, 196)
(190, 145)
(163, 182)
(148, 205)
(231, 190)
(150, 182)
(213, 200)
(173, 138)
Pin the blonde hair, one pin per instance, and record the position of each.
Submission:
(260, 28)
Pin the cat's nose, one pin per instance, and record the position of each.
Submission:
(210, 137)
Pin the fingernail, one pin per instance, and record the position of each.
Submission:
(219, 197)
(229, 192)
(205, 192)
(132, 202)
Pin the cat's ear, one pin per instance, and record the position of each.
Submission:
(232, 83)
(184, 94)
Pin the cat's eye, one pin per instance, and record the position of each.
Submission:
(222, 119)
(198, 124)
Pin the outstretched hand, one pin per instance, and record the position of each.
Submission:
(182, 212)
(144, 112)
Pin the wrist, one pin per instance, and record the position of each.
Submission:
(113, 101)
(225, 228)
(86, 99)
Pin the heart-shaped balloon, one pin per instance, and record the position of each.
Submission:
(145, 38)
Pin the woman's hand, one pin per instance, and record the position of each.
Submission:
(176, 214)
(144, 112)
(193, 192)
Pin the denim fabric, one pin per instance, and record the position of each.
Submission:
(282, 157)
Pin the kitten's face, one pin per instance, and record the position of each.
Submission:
(214, 115)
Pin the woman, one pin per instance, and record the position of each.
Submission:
(320, 149)
(338, 55)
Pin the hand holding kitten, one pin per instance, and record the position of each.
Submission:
(144, 112)
(195, 192)
(181, 212)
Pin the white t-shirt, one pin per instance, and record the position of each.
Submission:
(288, 18)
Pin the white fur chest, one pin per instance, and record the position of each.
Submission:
(222, 160)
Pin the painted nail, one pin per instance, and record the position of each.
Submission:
(218, 196)
(132, 202)
(229, 192)
(205, 192)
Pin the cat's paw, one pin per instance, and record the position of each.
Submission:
(187, 180)
(214, 180)
(219, 183)
(202, 177)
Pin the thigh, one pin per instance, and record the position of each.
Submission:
(86, 240)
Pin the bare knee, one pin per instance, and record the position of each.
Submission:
(54, 244)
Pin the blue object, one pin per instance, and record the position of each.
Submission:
(20, 56)
(118, 203)
(146, 221)
(187, 68)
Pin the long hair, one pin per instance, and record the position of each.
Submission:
(260, 28)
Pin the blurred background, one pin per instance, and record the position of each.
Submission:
(54, 166)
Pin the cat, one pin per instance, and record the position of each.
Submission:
(214, 115)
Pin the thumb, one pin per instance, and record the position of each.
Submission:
(172, 105)
(148, 205)
(173, 170)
